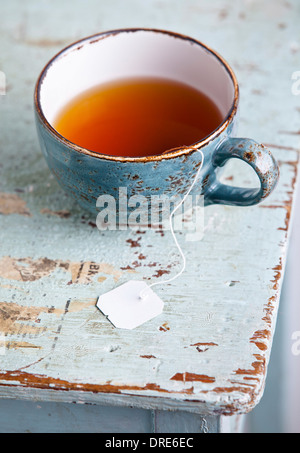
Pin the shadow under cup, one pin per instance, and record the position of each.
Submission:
(137, 53)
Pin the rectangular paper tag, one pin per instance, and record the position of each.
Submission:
(126, 309)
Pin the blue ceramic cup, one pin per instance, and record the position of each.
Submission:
(128, 53)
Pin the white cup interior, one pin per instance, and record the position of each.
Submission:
(136, 53)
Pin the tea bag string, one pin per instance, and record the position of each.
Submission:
(143, 293)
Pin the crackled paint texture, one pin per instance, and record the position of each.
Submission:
(208, 352)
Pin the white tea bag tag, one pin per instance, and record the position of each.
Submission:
(130, 305)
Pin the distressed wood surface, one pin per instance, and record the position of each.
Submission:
(208, 352)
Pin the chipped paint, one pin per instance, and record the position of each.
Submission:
(25, 269)
(203, 347)
(11, 203)
(164, 327)
(149, 356)
(39, 381)
(29, 270)
(286, 204)
(260, 338)
(192, 377)
(134, 242)
(24, 320)
(20, 320)
(161, 272)
(21, 345)
(62, 214)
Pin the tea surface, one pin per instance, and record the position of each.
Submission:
(138, 117)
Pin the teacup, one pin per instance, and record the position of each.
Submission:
(126, 53)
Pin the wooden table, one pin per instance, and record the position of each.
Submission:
(206, 356)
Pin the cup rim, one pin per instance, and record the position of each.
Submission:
(169, 154)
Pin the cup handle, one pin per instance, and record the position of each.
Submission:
(259, 158)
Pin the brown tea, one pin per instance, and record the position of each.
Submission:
(138, 117)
